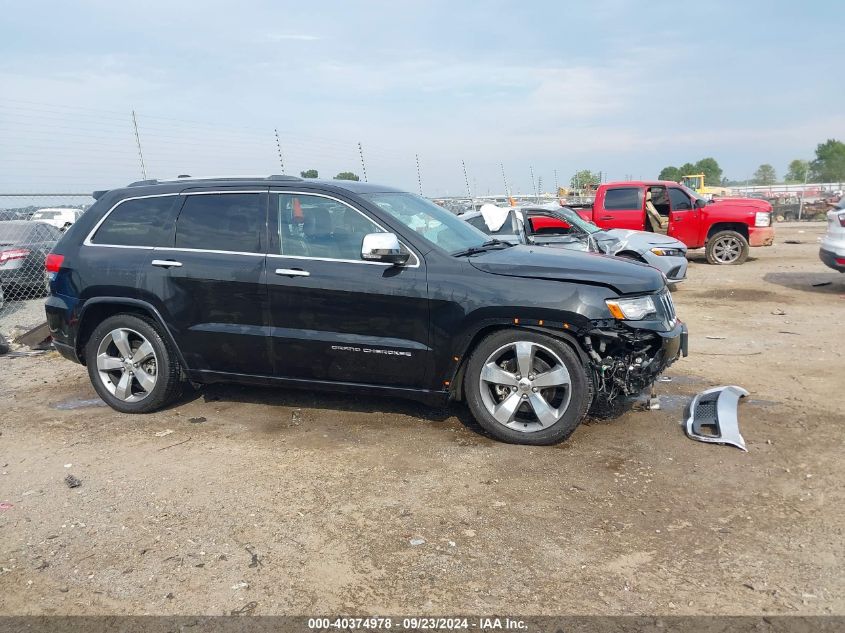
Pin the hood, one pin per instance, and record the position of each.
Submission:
(641, 239)
(753, 203)
(538, 262)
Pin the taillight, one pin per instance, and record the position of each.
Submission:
(841, 217)
(15, 253)
(53, 262)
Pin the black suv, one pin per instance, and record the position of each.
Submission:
(349, 286)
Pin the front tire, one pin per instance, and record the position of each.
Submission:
(131, 366)
(726, 248)
(526, 388)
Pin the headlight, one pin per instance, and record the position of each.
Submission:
(668, 252)
(631, 309)
(762, 218)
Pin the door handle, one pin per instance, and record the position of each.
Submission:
(166, 263)
(606, 217)
(292, 272)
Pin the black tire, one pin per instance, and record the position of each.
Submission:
(168, 374)
(718, 244)
(580, 389)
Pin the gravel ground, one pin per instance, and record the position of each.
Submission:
(287, 502)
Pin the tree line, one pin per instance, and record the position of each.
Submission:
(344, 175)
(828, 166)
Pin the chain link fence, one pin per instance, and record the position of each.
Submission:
(30, 226)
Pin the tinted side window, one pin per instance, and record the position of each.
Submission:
(680, 201)
(143, 222)
(622, 199)
(221, 222)
(313, 226)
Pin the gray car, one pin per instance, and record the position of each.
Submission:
(561, 227)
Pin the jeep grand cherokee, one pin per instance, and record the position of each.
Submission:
(354, 287)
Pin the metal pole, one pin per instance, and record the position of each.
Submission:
(279, 148)
(556, 185)
(803, 193)
(419, 177)
(138, 141)
(363, 166)
(504, 178)
(466, 180)
(534, 184)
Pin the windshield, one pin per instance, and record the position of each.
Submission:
(46, 215)
(576, 220)
(692, 193)
(435, 224)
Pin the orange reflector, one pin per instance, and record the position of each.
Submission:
(516, 321)
(541, 321)
(615, 310)
(566, 326)
(445, 383)
(456, 358)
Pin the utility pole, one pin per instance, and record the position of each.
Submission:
(279, 148)
(534, 184)
(504, 178)
(803, 192)
(556, 185)
(138, 141)
(363, 166)
(419, 178)
(466, 180)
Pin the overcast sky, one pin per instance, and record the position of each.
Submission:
(619, 86)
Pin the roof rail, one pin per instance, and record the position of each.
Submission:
(185, 177)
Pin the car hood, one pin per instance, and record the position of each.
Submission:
(538, 262)
(644, 239)
(754, 203)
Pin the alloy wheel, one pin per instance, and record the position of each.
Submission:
(727, 249)
(127, 365)
(525, 386)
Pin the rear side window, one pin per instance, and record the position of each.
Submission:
(221, 222)
(622, 199)
(141, 222)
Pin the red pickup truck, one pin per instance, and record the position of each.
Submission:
(724, 228)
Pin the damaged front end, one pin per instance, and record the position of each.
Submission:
(627, 357)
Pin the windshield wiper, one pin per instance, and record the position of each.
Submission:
(489, 245)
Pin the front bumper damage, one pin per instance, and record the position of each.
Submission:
(626, 360)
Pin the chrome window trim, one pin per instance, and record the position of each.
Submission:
(416, 257)
(206, 250)
(87, 241)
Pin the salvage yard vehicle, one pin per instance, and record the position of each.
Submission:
(61, 217)
(832, 249)
(560, 227)
(725, 228)
(24, 246)
(354, 287)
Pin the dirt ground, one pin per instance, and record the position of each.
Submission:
(285, 502)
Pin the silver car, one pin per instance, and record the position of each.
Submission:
(561, 227)
(832, 251)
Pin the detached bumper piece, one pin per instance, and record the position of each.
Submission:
(713, 417)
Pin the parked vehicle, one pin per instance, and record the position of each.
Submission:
(832, 250)
(349, 286)
(60, 218)
(725, 228)
(24, 247)
(561, 227)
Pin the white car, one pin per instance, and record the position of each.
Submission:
(60, 218)
(832, 251)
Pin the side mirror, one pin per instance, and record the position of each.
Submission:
(383, 247)
(700, 203)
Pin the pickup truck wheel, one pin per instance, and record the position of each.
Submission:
(131, 366)
(727, 248)
(526, 388)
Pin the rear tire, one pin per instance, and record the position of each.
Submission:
(726, 248)
(131, 365)
(543, 407)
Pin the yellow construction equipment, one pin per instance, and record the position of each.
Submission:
(696, 183)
